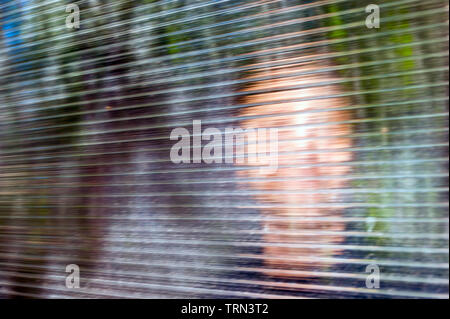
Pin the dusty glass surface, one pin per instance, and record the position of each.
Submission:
(87, 178)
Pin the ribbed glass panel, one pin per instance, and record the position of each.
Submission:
(359, 177)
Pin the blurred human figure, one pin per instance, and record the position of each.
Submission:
(311, 150)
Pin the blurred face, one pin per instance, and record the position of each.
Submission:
(310, 162)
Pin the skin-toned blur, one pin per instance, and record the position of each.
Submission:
(310, 159)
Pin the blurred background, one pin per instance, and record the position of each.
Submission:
(85, 170)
